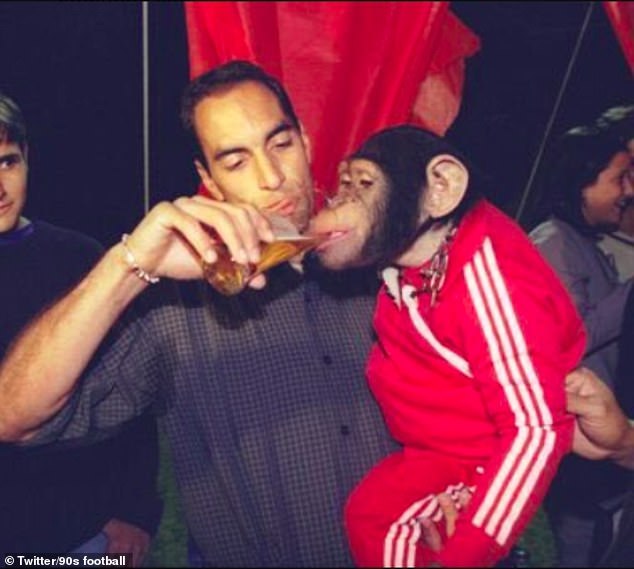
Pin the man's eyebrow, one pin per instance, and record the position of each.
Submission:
(283, 126)
(10, 156)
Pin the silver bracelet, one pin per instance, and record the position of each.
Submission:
(134, 266)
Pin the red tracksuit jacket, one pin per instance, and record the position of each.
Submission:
(479, 376)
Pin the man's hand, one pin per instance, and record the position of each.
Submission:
(174, 236)
(126, 538)
(601, 427)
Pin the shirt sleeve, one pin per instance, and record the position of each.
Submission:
(122, 379)
(524, 335)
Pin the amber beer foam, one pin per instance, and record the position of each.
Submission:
(229, 277)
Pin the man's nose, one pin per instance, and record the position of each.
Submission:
(270, 175)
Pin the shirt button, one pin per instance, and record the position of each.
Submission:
(327, 360)
(344, 430)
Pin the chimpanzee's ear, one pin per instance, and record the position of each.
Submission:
(447, 181)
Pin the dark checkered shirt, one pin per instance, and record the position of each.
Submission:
(264, 399)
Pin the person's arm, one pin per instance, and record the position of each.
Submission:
(41, 369)
(521, 337)
(602, 429)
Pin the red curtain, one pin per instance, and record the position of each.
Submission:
(621, 15)
(351, 68)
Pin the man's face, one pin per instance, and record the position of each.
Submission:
(13, 177)
(355, 217)
(254, 155)
(606, 198)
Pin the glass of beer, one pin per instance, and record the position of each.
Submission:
(229, 277)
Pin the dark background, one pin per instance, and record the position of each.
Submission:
(75, 68)
(513, 83)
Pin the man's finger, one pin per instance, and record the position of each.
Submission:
(258, 282)
(576, 403)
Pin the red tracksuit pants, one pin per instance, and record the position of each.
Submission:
(383, 512)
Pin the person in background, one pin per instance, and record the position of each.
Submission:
(262, 394)
(618, 245)
(98, 498)
(475, 334)
(588, 177)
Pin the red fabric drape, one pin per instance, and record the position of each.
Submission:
(621, 15)
(351, 68)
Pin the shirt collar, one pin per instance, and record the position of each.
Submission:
(391, 277)
(22, 231)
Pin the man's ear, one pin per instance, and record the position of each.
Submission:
(307, 143)
(208, 181)
(447, 181)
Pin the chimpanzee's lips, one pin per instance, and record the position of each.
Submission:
(333, 237)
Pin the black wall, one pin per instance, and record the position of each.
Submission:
(513, 83)
(76, 70)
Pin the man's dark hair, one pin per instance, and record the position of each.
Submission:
(222, 78)
(575, 162)
(12, 125)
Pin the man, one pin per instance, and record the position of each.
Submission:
(100, 498)
(588, 179)
(269, 417)
(475, 334)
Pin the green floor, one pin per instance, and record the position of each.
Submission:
(169, 547)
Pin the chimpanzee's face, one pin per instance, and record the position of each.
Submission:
(356, 218)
